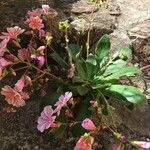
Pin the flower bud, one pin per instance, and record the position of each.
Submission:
(88, 124)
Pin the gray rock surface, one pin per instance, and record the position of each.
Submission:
(133, 11)
(103, 22)
(84, 6)
(140, 38)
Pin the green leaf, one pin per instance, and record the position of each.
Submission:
(83, 112)
(91, 65)
(77, 79)
(59, 60)
(74, 49)
(62, 117)
(101, 86)
(78, 130)
(114, 67)
(91, 60)
(130, 93)
(102, 48)
(127, 71)
(82, 90)
(81, 67)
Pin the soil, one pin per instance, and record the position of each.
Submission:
(18, 130)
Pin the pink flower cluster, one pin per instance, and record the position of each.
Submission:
(15, 96)
(11, 33)
(34, 20)
(32, 52)
(47, 118)
(35, 23)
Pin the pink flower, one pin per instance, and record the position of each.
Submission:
(4, 62)
(19, 85)
(62, 101)
(10, 57)
(84, 143)
(41, 61)
(46, 120)
(12, 33)
(28, 33)
(35, 23)
(54, 125)
(23, 82)
(42, 33)
(14, 97)
(45, 8)
(93, 102)
(88, 124)
(24, 95)
(141, 144)
(34, 13)
(24, 54)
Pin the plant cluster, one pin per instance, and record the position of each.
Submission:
(85, 80)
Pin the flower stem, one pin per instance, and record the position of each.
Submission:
(57, 79)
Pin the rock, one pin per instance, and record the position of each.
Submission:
(137, 119)
(113, 8)
(140, 38)
(103, 23)
(119, 39)
(133, 12)
(84, 6)
(140, 30)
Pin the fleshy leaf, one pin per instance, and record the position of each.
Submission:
(130, 93)
(74, 49)
(114, 67)
(102, 48)
(91, 65)
(127, 71)
(59, 60)
(81, 66)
